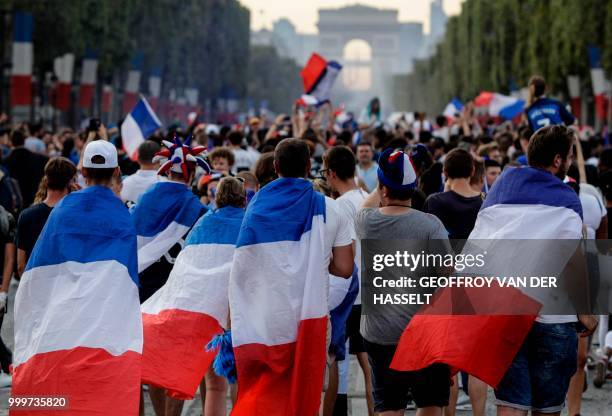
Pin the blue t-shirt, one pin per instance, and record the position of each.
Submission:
(546, 111)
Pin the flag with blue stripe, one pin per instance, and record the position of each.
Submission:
(280, 276)
(138, 125)
(77, 311)
(163, 215)
(192, 307)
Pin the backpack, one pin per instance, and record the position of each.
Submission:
(10, 194)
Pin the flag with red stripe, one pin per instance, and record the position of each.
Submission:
(78, 328)
(278, 301)
(192, 307)
(480, 331)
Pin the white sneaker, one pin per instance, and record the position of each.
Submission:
(5, 380)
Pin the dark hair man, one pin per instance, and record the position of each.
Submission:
(25, 166)
(458, 206)
(298, 237)
(59, 182)
(533, 202)
(339, 172)
(80, 287)
(544, 111)
(492, 171)
(135, 185)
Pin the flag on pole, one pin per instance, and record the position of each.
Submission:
(599, 83)
(192, 307)
(154, 87)
(63, 67)
(318, 77)
(138, 125)
(78, 328)
(132, 84)
(163, 215)
(281, 355)
(107, 99)
(453, 108)
(484, 344)
(499, 105)
(89, 75)
(22, 61)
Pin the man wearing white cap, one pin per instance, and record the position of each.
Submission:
(78, 327)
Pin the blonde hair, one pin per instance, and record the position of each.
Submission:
(230, 191)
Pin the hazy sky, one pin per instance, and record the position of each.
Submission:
(303, 13)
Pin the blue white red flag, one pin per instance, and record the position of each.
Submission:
(192, 307)
(78, 328)
(163, 216)
(524, 203)
(279, 277)
(318, 77)
(453, 108)
(499, 105)
(22, 60)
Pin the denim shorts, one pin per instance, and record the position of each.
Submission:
(539, 376)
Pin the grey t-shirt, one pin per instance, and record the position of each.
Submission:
(386, 328)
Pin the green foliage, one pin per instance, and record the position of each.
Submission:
(273, 78)
(491, 43)
(197, 43)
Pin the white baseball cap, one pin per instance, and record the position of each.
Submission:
(101, 148)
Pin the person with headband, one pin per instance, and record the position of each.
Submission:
(193, 307)
(387, 214)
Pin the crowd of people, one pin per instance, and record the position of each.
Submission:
(203, 204)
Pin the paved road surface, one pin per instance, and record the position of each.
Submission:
(596, 402)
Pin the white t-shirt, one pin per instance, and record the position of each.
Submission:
(350, 204)
(135, 185)
(337, 234)
(592, 211)
(244, 159)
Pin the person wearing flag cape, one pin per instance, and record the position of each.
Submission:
(78, 328)
(163, 216)
(290, 240)
(529, 358)
(192, 307)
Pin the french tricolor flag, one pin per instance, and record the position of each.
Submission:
(499, 105)
(63, 66)
(138, 125)
(192, 307)
(89, 75)
(453, 108)
(600, 84)
(278, 298)
(163, 216)
(132, 83)
(524, 203)
(155, 82)
(318, 77)
(78, 327)
(22, 61)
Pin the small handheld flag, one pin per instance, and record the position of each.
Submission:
(139, 124)
(318, 77)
